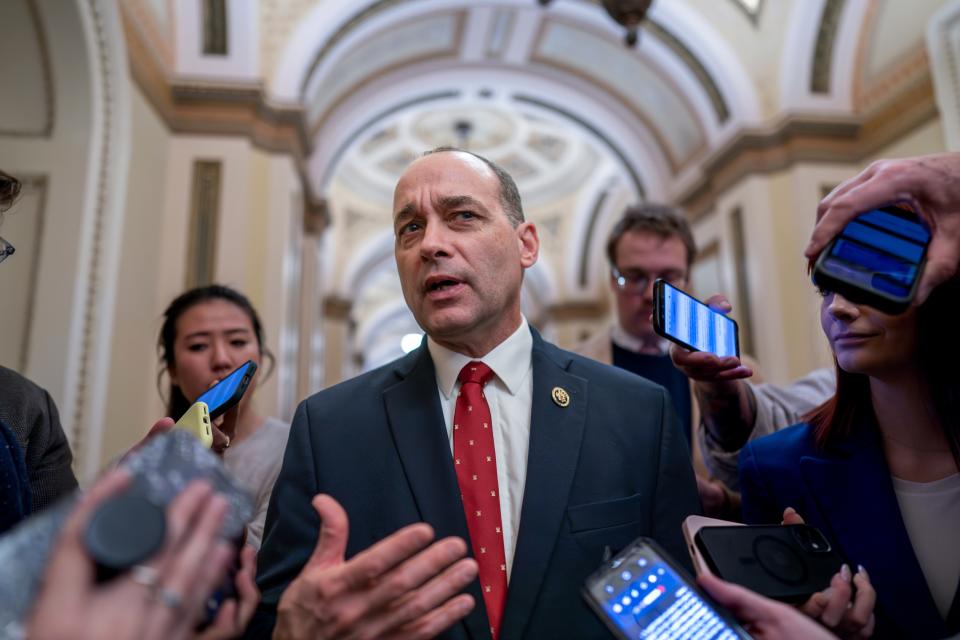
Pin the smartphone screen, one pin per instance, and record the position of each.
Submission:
(686, 320)
(880, 251)
(223, 395)
(642, 595)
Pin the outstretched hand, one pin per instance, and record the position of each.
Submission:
(402, 588)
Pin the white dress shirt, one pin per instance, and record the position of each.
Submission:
(510, 396)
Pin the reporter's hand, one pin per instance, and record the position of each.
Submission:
(930, 183)
(187, 568)
(763, 618)
(836, 607)
(235, 614)
(397, 589)
(706, 367)
(163, 425)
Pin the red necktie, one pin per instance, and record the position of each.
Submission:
(476, 464)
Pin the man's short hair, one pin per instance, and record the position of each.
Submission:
(659, 219)
(9, 190)
(509, 194)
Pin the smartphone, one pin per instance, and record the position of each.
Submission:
(224, 395)
(877, 259)
(693, 524)
(784, 562)
(680, 317)
(197, 421)
(643, 593)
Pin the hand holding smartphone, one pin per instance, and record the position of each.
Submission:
(784, 562)
(876, 260)
(681, 318)
(642, 593)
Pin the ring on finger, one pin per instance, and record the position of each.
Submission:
(145, 576)
(169, 598)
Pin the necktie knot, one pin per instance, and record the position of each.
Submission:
(475, 371)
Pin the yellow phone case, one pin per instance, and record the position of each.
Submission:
(197, 421)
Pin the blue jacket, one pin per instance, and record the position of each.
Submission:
(845, 490)
(611, 466)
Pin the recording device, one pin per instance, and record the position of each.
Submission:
(681, 318)
(224, 395)
(129, 527)
(125, 527)
(783, 562)
(877, 259)
(642, 593)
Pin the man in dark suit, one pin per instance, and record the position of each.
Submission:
(544, 461)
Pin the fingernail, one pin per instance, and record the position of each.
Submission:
(862, 571)
(845, 573)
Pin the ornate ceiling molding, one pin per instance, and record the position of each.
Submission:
(810, 139)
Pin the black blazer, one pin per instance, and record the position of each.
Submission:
(611, 466)
(845, 490)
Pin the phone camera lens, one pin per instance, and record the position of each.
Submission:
(810, 538)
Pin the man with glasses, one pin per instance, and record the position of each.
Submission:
(653, 241)
(650, 241)
(35, 457)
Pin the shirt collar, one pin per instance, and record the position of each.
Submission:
(510, 361)
(631, 342)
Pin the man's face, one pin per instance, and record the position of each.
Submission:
(643, 253)
(460, 260)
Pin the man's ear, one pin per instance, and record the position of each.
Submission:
(529, 243)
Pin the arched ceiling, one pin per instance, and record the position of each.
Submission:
(585, 124)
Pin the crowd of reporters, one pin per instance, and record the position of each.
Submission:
(865, 440)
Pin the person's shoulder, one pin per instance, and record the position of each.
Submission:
(15, 385)
(597, 347)
(599, 374)
(366, 384)
(788, 443)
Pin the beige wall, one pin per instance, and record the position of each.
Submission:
(259, 224)
(133, 402)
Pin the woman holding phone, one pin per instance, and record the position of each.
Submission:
(208, 332)
(877, 467)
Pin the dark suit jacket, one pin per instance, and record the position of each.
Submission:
(611, 466)
(845, 490)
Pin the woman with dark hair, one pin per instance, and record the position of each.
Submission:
(208, 332)
(876, 466)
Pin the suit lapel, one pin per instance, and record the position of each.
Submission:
(555, 435)
(855, 494)
(416, 422)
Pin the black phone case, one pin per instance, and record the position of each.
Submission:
(770, 559)
(658, 319)
(238, 394)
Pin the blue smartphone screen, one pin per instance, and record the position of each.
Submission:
(880, 251)
(647, 599)
(221, 392)
(690, 321)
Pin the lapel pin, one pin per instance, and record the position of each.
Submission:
(560, 397)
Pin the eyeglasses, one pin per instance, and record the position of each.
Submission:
(638, 281)
(6, 249)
